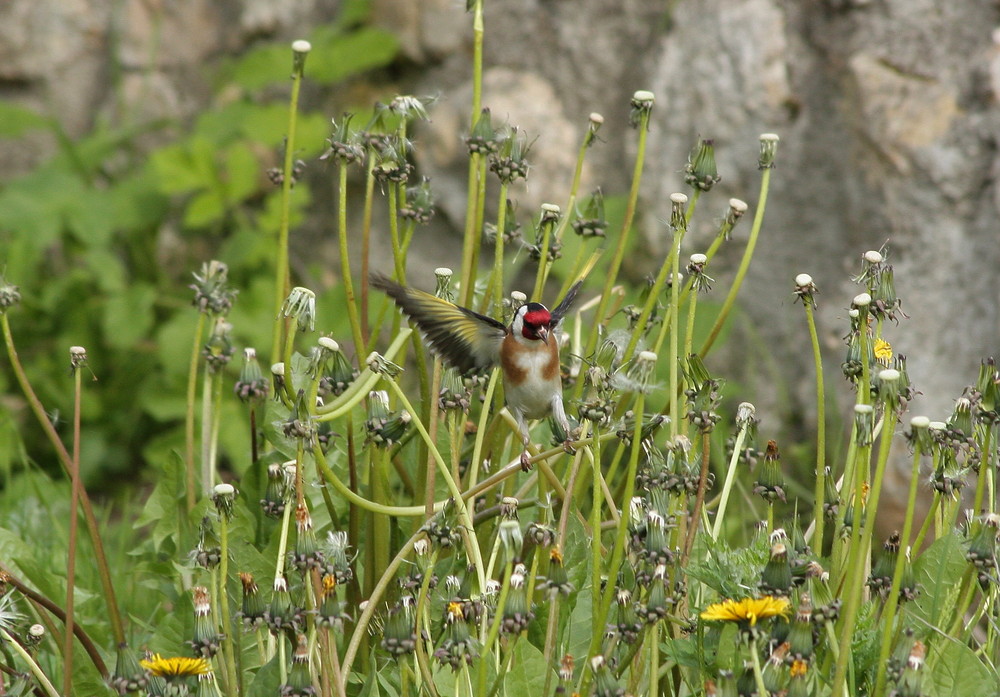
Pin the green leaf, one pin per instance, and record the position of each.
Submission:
(240, 170)
(165, 506)
(203, 209)
(128, 315)
(956, 671)
(335, 58)
(939, 572)
(526, 675)
(15, 120)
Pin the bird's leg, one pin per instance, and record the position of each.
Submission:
(559, 413)
(522, 427)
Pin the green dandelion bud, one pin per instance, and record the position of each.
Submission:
(483, 138)
(409, 107)
(278, 379)
(517, 615)
(737, 209)
(206, 640)
(678, 203)
(911, 682)
(253, 607)
(982, 552)
(399, 637)
(888, 388)
(206, 686)
(276, 493)
(207, 554)
(300, 305)
(299, 423)
(219, 348)
(300, 49)
(335, 553)
(251, 387)
(509, 160)
(919, 435)
(605, 684)
(768, 149)
(384, 427)
(988, 387)
(871, 267)
(418, 205)
(281, 614)
(299, 681)
(212, 293)
(459, 647)
(805, 289)
(592, 222)
(701, 171)
(880, 579)
(700, 281)
(224, 497)
(960, 422)
(343, 143)
(639, 377)
(511, 537)
(378, 363)
(331, 612)
(10, 295)
(640, 107)
(657, 606)
(776, 578)
(770, 484)
(307, 554)
(557, 582)
(800, 637)
(129, 676)
(864, 423)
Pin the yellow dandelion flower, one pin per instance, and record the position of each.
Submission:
(799, 668)
(175, 666)
(747, 610)
(883, 352)
(455, 610)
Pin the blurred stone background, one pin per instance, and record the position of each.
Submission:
(887, 111)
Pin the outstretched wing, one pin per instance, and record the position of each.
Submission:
(464, 339)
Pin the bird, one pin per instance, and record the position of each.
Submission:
(527, 350)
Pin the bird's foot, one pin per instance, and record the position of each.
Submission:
(568, 446)
(525, 461)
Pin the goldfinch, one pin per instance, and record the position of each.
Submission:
(527, 351)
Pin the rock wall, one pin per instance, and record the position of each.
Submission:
(887, 110)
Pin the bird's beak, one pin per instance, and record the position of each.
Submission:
(544, 333)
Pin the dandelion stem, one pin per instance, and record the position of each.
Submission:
(475, 555)
(75, 486)
(867, 513)
(350, 300)
(616, 260)
(43, 679)
(730, 477)
(889, 614)
(741, 272)
(820, 485)
(228, 647)
(192, 395)
(282, 282)
(100, 557)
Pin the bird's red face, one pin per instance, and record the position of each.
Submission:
(535, 322)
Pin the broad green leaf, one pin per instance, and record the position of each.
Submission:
(939, 572)
(240, 172)
(16, 119)
(128, 315)
(526, 675)
(205, 208)
(335, 58)
(956, 671)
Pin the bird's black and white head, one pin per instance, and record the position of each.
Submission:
(533, 322)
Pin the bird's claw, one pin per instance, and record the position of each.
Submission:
(525, 461)
(568, 447)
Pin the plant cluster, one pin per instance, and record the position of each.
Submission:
(383, 537)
